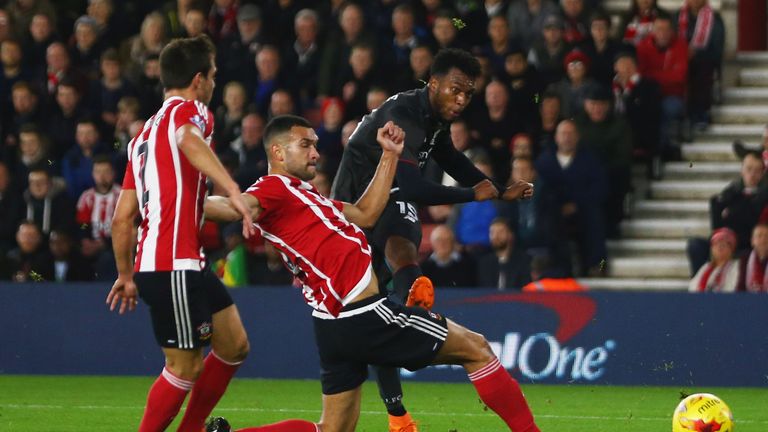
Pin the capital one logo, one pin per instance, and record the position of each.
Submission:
(544, 355)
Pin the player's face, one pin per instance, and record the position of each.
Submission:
(451, 94)
(299, 155)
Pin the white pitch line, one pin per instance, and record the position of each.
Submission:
(317, 411)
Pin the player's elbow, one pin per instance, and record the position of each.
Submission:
(366, 221)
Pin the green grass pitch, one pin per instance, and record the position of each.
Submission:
(77, 403)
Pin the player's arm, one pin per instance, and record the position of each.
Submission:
(192, 144)
(458, 166)
(124, 289)
(220, 209)
(366, 211)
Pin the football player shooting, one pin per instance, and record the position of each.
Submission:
(425, 115)
(355, 325)
(168, 162)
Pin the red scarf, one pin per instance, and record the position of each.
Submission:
(715, 275)
(619, 92)
(639, 27)
(757, 277)
(704, 22)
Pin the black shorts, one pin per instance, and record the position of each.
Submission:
(399, 218)
(181, 304)
(375, 331)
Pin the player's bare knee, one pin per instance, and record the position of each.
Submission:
(481, 349)
(186, 370)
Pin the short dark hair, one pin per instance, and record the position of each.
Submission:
(450, 58)
(103, 159)
(281, 124)
(182, 59)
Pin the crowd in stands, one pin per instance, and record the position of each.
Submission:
(566, 101)
(735, 257)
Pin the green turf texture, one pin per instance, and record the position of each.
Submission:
(74, 403)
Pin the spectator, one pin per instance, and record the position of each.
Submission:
(601, 48)
(573, 88)
(546, 277)
(494, 128)
(444, 31)
(149, 42)
(62, 123)
(249, 151)
(737, 207)
(269, 269)
(302, 56)
(663, 57)
(195, 22)
(26, 109)
(347, 130)
(33, 151)
(59, 69)
(77, 165)
(703, 29)
(42, 34)
(329, 133)
(67, 265)
(6, 26)
(506, 266)
(229, 115)
(526, 19)
(106, 92)
(753, 266)
(499, 44)
(376, 96)
(608, 137)
(232, 267)
(446, 266)
(270, 77)
(533, 220)
(86, 49)
(471, 221)
(149, 87)
(417, 75)
(637, 23)
(357, 79)
(30, 261)
(721, 273)
(524, 89)
(222, 19)
(577, 185)
(339, 44)
(281, 103)
(547, 54)
(550, 115)
(638, 99)
(111, 28)
(10, 202)
(22, 11)
(46, 206)
(405, 38)
(128, 112)
(576, 19)
(95, 208)
(236, 54)
(12, 70)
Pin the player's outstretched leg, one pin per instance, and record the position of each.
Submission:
(229, 349)
(498, 390)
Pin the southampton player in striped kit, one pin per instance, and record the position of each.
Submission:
(165, 184)
(355, 326)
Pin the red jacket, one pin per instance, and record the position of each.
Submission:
(668, 67)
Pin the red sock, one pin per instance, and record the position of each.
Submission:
(502, 394)
(208, 389)
(285, 426)
(164, 401)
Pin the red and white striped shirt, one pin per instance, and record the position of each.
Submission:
(169, 189)
(329, 255)
(96, 210)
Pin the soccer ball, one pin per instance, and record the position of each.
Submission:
(702, 412)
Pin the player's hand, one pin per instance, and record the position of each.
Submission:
(518, 189)
(238, 203)
(391, 138)
(485, 190)
(124, 292)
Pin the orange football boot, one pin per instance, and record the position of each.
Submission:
(403, 423)
(422, 293)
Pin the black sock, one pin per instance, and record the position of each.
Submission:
(403, 279)
(390, 390)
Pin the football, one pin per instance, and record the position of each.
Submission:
(702, 412)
